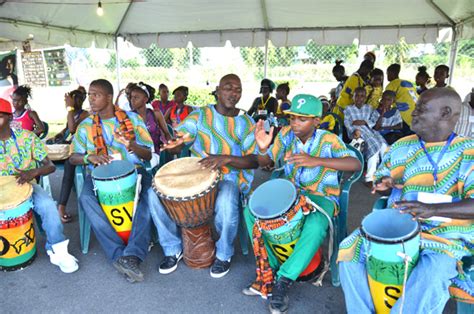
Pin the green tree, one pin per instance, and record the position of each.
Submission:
(281, 56)
(328, 54)
(157, 57)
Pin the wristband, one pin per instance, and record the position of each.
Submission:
(264, 153)
(86, 162)
(69, 108)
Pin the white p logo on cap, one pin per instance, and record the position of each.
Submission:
(301, 102)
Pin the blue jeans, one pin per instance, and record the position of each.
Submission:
(426, 290)
(227, 210)
(46, 208)
(111, 243)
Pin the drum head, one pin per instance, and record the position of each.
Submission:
(389, 226)
(114, 170)
(272, 199)
(12, 194)
(58, 151)
(184, 177)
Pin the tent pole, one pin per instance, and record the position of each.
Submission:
(452, 55)
(265, 62)
(117, 62)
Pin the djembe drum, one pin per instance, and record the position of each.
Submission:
(17, 233)
(188, 192)
(57, 152)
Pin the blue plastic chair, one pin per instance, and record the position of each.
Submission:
(468, 263)
(339, 221)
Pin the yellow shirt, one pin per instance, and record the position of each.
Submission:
(345, 98)
(405, 99)
(374, 94)
(328, 123)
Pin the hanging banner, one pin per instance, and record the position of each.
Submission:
(33, 68)
(56, 67)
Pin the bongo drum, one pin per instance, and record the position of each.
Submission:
(58, 152)
(17, 233)
(115, 186)
(188, 192)
(391, 238)
(271, 204)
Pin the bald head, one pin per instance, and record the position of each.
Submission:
(436, 113)
(228, 77)
(229, 92)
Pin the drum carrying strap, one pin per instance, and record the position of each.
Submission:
(263, 284)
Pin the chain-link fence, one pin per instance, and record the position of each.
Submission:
(307, 68)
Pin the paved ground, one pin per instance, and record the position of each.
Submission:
(97, 287)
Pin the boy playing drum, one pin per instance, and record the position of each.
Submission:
(312, 157)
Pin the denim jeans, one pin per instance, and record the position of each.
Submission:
(227, 209)
(46, 208)
(111, 243)
(426, 290)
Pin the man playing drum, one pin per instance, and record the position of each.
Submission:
(225, 140)
(429, 175)
(111, 133)
(21, 151)
(312, 158)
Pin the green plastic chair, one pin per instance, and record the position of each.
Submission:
(339, 221)
(468, 263)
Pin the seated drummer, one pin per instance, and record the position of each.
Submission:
(313, 157)
(432, 166)
(225, 140)
(21, 152)
(112, 133)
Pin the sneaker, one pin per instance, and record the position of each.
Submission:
(251, 291)
(219, 268)
(59, 256)
(170, 263)
(128, 266)
(279, 300)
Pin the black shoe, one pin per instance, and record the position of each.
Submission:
(279, 300)
(170, 263)
(128, 266)
(219, 268)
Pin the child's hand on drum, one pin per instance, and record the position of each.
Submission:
(215, 162)
(263, 138)
(25, 176)
(98, 160)
(384, 184)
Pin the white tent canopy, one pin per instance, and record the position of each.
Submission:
(175, 23)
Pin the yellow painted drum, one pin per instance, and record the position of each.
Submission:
(17, 234)
(115, 185)
(389, 236)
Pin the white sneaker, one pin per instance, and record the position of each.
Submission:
(59, 256)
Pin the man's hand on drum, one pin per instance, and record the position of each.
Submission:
(215, 162)
(302, 160)
(385, 185)
(25, 176)
(98, 160)
(177, 142)
(263, 138)
(416, 209)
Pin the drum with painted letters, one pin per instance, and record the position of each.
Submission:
(188, 192)
(17, 233)
(272, 204)
(115, 185)
(392, 240)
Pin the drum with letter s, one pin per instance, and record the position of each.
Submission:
(392, 240)
(188, 192)
(115, 185)
(17, 233)
(272, 204)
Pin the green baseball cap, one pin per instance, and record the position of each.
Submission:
(305, 105)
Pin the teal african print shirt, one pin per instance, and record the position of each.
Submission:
(213, 133)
